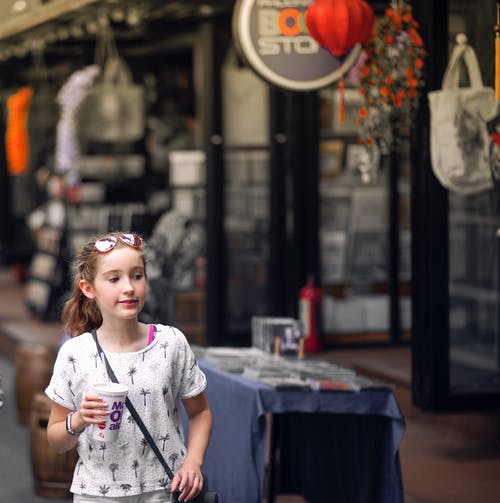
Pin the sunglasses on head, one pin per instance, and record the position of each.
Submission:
(106, 244)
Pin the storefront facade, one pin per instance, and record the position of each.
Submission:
(277, 195)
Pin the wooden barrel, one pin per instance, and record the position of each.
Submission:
(53, 472)
(33, 369)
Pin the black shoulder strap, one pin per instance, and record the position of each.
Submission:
(132, 410)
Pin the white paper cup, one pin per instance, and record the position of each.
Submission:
(114, 395)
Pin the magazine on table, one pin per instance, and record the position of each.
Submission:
(286, 372)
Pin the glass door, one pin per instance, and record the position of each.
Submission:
(356, 228)
(474, 334)
(246, 195)
(456, 336)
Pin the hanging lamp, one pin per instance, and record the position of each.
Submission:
(338, 25)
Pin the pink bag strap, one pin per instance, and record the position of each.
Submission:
(151, 334)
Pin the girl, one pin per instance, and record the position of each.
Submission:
(155, 362)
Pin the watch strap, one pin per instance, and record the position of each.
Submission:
(69, 429)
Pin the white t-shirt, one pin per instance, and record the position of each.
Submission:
(157, 376)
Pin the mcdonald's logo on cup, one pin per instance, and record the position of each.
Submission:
(114, 395)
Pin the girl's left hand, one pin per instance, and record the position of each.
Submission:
(189, 481)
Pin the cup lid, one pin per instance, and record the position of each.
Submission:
(110, 388)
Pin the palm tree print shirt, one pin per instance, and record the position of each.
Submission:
(158, 376)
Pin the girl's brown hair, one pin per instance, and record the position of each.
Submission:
(81, 314)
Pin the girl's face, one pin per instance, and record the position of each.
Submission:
(120, 284)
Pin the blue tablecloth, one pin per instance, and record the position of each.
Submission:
(369, 421)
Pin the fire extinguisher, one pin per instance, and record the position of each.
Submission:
(310, 298)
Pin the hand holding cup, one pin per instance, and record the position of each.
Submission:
(109, 400)
(93, 409)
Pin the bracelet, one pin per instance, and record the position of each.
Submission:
(70, 430)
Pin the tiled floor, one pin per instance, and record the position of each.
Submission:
(444, 459)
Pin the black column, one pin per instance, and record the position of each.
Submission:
(429, 225)
(209, 59)
(393, 239)
(277, 270)
(302, 153)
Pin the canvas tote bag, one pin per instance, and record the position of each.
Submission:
(460, 144)
(114, 108)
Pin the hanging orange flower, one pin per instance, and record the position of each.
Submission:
(365, 71)
(397, 101)
(418, 41)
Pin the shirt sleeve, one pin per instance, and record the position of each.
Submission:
(60, 388)
(192, 380)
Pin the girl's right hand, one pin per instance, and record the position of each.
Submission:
(93, 409)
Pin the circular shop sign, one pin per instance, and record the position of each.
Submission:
(272, 37)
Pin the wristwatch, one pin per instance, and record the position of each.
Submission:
(70, 430)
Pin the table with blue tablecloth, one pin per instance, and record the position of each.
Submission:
(334, 446)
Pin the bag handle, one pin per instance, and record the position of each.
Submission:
(105, 46)
(116, 72)
(462, 51)
(132, 410)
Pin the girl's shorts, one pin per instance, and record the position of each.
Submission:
(153, 497)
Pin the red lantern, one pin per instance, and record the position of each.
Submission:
(338, 25)
(367, 22)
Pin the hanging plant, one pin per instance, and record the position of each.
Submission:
(391, 77)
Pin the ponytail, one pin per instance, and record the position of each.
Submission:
(80, 314)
